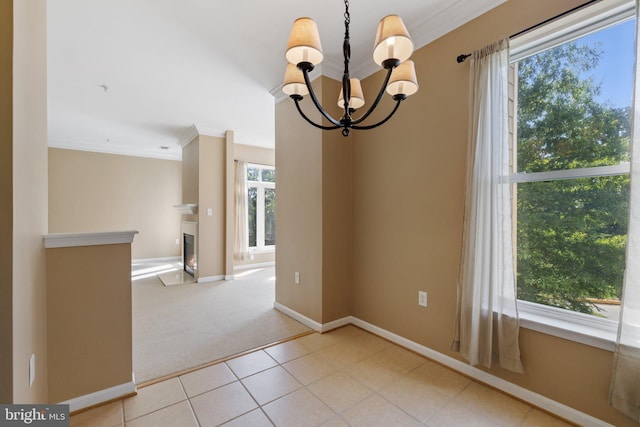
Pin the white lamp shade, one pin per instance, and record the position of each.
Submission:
(357, 97)
(403, 80)
(304, 42)
(293, 83)
(392, 40)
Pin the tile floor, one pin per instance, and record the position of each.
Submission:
(347, 377)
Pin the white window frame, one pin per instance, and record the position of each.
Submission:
(583, 328)
(261, 186)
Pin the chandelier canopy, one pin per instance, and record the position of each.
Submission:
(392, 49)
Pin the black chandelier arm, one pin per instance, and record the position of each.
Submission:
(307, 81)
(398, 101)
(304, 116)
(377, 101)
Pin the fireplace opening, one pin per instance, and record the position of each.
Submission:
(189, 254)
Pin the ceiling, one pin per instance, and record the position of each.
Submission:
(135, 76)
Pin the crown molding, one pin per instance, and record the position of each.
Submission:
(204, 130)
(195, 130)
(278, 94)
(188, 136)
(449, 19)
(118, 150)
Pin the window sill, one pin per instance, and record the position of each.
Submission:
(578, 327)
(263, 250)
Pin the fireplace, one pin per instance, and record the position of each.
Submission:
(190, 248)
(189, 253)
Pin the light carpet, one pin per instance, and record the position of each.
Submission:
(180, 327)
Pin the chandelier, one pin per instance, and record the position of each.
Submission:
(392, 49)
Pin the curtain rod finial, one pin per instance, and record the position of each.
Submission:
(461, 58)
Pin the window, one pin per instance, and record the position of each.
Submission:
(573, 86)
(261, 189)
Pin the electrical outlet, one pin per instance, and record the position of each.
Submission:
(296, 277)
(177, 241)
(422, 298)
(32, 369)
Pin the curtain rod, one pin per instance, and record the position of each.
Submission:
(463, 57)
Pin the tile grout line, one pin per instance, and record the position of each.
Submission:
(377, 392)
(351, 340)
(255, 400)
(222, 360)
(193, 412)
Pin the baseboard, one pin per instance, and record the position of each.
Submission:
(518, 392)
(521, 393)
(211, 279)
(256, 265)
(326, 327)
(299, 317)
(162, 259)
(101, 396)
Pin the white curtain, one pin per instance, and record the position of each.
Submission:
(487, 316)
(624, 394)
(241, 244)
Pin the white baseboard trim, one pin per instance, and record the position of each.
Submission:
(326, 327)
(162, 259)
(229, 277)
(211, 279)
(316, 326)
(256, 265)
(101, 396)
(299, 317)
(521, 393)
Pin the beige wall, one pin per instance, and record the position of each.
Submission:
(91, 192)
(408, 179)
(29, 199)
(299, 210)
(6, 200)
(336, 213)
(313, 213)
(88, 319)
(259, 155)
(190, 173)
(207, 175)
(211, 229)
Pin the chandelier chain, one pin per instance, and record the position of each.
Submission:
(347, 15)
(346, 83)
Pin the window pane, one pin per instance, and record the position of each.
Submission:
(252, 174)
(574, 102)
(571, 241)
(269, 216)
(269, 175)
(253, 205)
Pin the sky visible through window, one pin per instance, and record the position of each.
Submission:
(615, 70)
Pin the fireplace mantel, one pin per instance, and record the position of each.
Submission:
(187, 208)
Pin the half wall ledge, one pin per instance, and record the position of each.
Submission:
(67, 240)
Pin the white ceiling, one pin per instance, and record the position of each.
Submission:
(170, 64)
